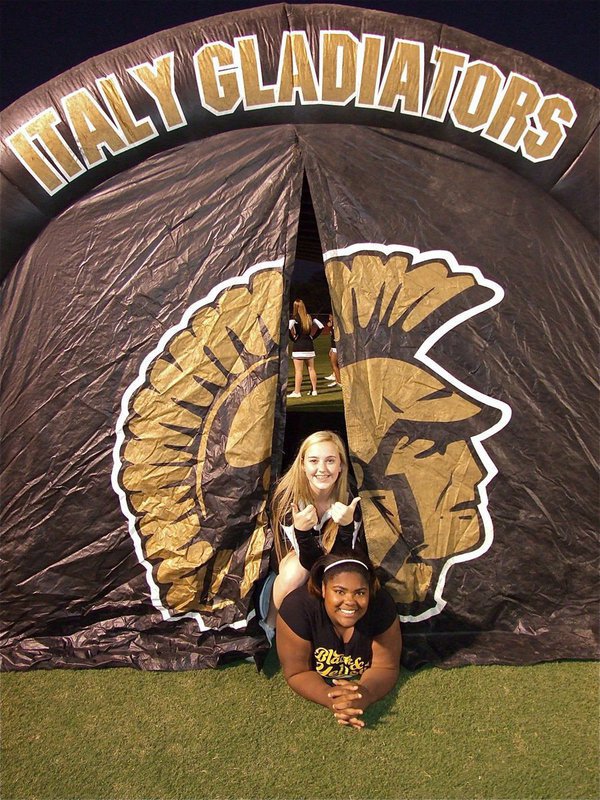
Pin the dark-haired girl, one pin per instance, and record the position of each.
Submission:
(338, 638)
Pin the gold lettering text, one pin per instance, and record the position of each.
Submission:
(158, 80)
(448, 63)
(403, 79)
(216, 77)
(476, 95)
(134, 131)
(510, 121)
(370, 69)
(296, 70)
(256, 95)
(43, 129)
(554, 115)
(338, 66)
(92, 127)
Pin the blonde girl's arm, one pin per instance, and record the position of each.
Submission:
(349, 530)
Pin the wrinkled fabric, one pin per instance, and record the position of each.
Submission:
(282, 88)
(142, 413)
(144, 335)
(516, 581)
(98, 574)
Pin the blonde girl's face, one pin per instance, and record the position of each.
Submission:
(322, 466)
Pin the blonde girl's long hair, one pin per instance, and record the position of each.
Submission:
(302, 317)
(293, 487)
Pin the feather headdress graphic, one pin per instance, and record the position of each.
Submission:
(193, 451)
(194, 438)
(416, 432)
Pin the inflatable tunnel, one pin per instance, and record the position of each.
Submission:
(151, 203)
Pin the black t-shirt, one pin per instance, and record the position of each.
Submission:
(333, 658)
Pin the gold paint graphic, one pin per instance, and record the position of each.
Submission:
(409, 431)
(197, 448)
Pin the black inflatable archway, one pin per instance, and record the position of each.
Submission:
(150, 209)
(294, 64)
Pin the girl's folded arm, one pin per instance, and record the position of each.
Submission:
(295, 656)
(381, 677)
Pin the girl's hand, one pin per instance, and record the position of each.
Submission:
(306, 519)
(343, 514)
(347, 705)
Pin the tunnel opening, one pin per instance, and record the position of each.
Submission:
(308, 414)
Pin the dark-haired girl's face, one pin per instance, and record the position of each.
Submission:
(346, 598)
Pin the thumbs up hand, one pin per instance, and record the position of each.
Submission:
(343, 514)
(306, 519)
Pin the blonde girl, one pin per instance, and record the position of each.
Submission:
(312, 513)
(303, 349)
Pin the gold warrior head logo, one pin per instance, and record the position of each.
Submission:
(415, 431)
(193, 452)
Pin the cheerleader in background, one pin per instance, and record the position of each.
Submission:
(303, 331)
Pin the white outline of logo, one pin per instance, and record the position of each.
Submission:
(419, 257)
(421, 354)
(242, 280)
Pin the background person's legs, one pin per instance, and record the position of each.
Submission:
(312, 374)
(298, 372)
(335, 366)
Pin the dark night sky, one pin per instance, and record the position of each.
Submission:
(43, 38)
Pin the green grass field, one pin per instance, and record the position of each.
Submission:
(474, 732)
